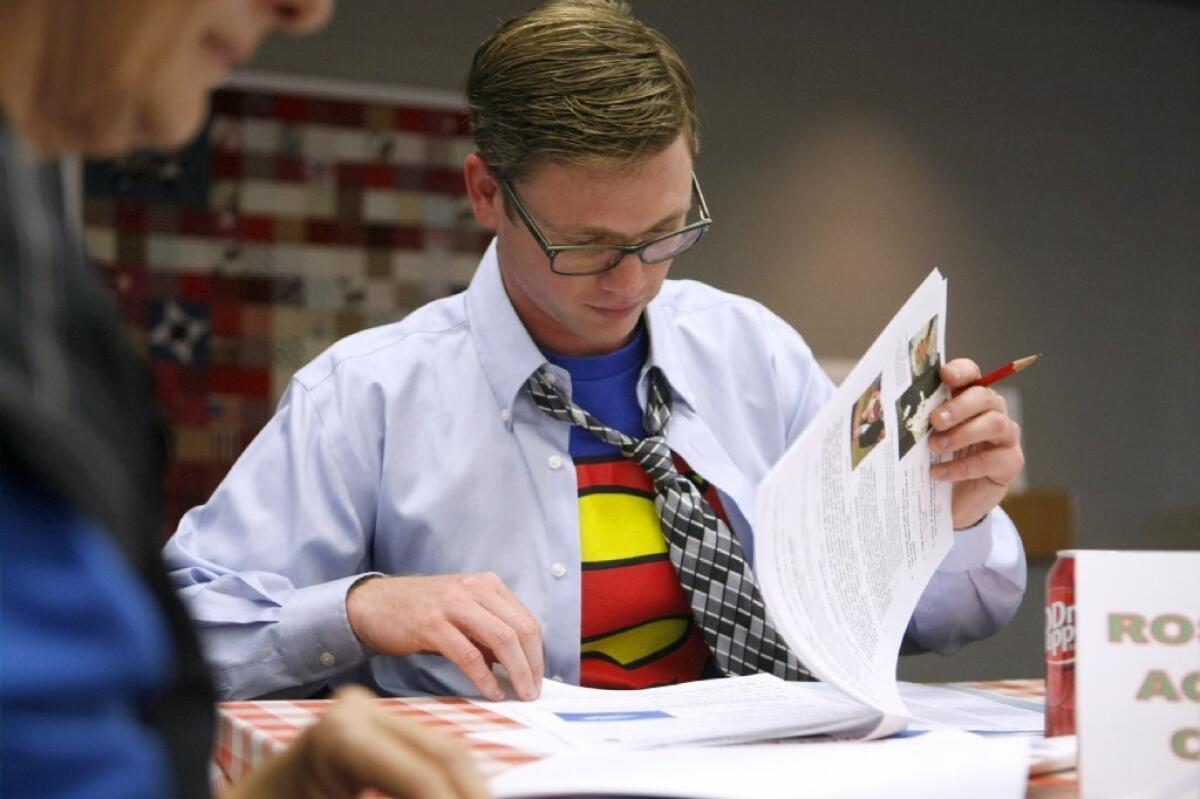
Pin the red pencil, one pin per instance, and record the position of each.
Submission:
(1007, 370)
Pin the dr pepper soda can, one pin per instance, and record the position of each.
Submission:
(1060, 646)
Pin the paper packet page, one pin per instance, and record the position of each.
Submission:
(729, 710)
(936, 707)
(942, 765)
(849, 525)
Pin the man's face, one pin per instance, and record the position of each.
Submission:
(591, 314)
(138, 72)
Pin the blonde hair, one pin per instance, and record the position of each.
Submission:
(578, 82)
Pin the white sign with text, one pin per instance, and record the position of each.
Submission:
(1137, 671)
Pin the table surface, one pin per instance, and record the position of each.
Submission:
(249, 732)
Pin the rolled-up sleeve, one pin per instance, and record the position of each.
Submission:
(975, 591)
(263, 566)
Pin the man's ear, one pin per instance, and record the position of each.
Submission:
(484, 191)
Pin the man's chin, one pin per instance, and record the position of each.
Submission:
(170, 128)
(614, 334)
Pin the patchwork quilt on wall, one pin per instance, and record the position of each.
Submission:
(296, 218)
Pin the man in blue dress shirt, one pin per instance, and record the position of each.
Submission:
(410, 514)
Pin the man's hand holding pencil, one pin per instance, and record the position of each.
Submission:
(975, 426)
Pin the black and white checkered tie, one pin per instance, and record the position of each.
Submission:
(708, 558)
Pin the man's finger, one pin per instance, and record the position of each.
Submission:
(969, 403)
(1000, 465)
(991, 427)
(459, 650)
(510, 610)
(482, 625)
(959, 372)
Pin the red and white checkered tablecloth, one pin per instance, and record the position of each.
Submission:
(249, 732)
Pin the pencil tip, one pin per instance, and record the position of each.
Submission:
(1026, 361)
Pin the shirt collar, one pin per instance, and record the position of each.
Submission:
(506, 351)
(665, 353)
(509, 355)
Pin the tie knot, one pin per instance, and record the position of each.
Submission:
(653, 455)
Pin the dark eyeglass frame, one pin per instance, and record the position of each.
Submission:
(620, 250)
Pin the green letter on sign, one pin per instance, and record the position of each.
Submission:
(1131, 624)
(1191, 686)
(1186, 743)
(1172, 628)
(1157, 683)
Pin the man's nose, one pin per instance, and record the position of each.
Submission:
(626, 278)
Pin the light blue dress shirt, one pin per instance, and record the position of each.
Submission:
(412, 449)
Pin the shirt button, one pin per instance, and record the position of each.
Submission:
(554, 462)
(504, 414)
(559, 570)
(327, 659)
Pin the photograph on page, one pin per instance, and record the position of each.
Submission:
(918, 400)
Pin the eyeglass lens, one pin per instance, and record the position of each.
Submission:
(600, 259)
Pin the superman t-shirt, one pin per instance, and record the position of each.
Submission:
(637, 629)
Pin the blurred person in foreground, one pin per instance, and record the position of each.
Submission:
(103, 691)
(556, 468)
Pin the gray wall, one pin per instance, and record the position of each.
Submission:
(1046, 156)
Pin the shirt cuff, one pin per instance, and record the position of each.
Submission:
(971, 547)
(315, 634)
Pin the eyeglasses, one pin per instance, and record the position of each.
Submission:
(592, 259)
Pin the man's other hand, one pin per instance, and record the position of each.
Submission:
(471, 619)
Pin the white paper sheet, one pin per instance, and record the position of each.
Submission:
(936, 707)
(849, 526)
(732, 710)
(931, 766)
